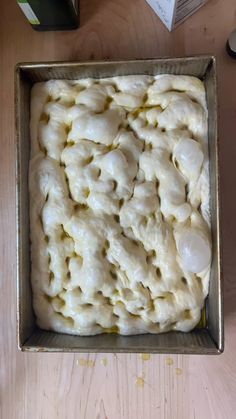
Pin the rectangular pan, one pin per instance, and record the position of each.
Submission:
(205, 340)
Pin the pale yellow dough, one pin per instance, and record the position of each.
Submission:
(118, 174)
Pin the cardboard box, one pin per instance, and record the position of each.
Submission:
(174, 12)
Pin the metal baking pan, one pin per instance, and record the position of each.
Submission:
(207, 339)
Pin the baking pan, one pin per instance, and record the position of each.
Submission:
(205, 339)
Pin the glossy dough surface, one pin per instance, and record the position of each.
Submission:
(119, 204)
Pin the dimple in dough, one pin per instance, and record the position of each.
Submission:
(119, 204)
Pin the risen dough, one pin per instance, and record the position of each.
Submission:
(119, 208)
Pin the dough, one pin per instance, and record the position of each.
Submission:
(119, 204)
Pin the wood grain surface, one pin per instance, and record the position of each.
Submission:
(116, 386)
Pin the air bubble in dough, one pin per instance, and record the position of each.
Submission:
(194, 251)
(190, 156)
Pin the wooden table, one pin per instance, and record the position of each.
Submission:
(116, 386)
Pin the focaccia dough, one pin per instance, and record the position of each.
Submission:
(119, 204)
